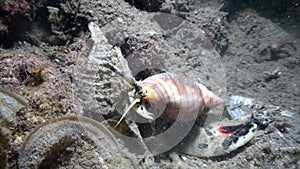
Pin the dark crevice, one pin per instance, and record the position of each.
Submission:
(147, 5)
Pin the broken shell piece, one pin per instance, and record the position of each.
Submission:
(219, 138)
(238, 106)
(287, 113)
(240, 100)
(236, 112)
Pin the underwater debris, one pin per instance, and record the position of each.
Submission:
(237, 100)
(236, 112)
(287, 113)
(237, 106)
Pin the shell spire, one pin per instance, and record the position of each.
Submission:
(211, 100)
(215, 100)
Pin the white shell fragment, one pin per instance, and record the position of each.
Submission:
(97, 35)
(237, 106)
(287, 113)
(52, 9)
(236, 112)
(236, 100)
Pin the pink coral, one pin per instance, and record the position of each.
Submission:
(17, 7)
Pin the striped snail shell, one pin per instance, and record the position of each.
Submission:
(179, 97)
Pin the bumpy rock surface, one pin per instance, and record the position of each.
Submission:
(237, 48)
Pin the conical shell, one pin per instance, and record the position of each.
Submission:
(180, 98)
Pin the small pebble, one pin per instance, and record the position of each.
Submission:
(18, 140)
(183, 158)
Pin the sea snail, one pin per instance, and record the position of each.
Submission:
(180, 98)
